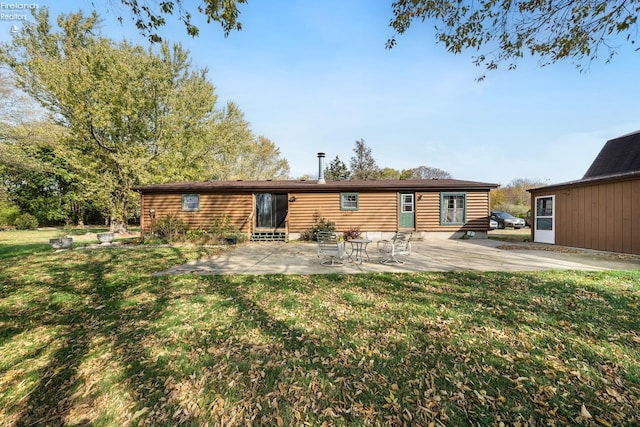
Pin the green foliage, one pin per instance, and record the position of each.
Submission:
(235, 236)
(363, 165)
(126, 109)
(220, 231)
(197, 236)
(149, 17)
(221, 225)
(129, 116)
(513, 197)
(323, 224)
(390, 173)
(242, 155)
(8, 213)
(435, 348)
(25, 221)
(171, 228)
(337, 170)
(507, 30)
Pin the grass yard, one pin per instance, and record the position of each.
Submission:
(511, 235)
(89, 337)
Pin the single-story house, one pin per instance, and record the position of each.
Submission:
(282, 210)
(600, 211)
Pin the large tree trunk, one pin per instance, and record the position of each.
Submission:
(118, 220)
(118, 226)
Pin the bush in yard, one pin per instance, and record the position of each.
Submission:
(220, 226)
(322, 225)
(171, 227)
(199, 236)
(239, 236)
(25, 221)
(223, 231)
(8, 213)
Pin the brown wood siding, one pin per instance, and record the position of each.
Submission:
(376, 211)
(477, 219)
(627, 222)
(634, 205)
(603, 216)
(238, 207)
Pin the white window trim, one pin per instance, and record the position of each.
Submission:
(443, 208)
(187, 209)
(349, 208)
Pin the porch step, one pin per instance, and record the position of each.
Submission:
(268, 237)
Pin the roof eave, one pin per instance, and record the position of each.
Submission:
(587, 181)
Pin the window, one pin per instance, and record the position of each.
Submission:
(544, 213)
(453, 208)
(406, 203)
(349, 201)
(191, 202)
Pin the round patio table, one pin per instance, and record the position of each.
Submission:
(358, 248)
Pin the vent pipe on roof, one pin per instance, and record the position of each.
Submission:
(321, 168)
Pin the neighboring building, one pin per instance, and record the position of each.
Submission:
(282, 210)
(600, 211)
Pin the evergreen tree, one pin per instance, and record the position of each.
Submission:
(337, 170)
(363, 165)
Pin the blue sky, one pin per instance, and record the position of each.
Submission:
(315, 76)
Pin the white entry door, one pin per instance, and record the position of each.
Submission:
(544, 231)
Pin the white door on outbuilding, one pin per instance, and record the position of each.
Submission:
(545, 220)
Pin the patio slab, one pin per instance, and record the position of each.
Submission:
(436, 255)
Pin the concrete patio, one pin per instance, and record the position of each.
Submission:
(426, 256)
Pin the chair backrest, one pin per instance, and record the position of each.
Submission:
(327, 237)
(401, 240)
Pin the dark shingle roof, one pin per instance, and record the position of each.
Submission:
(619, 156)
(312, 186)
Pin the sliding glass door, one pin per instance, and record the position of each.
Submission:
(271, 210)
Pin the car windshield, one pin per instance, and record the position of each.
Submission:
(504, 215)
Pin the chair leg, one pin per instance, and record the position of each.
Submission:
(332, 262)
(391, 259)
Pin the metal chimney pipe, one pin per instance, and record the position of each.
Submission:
(321, 168)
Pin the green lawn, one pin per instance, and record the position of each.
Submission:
(89, 337)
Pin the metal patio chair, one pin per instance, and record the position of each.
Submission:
(400, 245)
(329, 246)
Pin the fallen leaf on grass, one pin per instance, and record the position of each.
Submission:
(584, 413)
(603, 422)
(140, 413)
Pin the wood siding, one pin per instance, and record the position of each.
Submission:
(477, 213)
(604, 216)
(378, 211)
(238, 207)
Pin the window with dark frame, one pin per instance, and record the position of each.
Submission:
(453, 208)
(190, 202)
(271, 210)
(349, 201)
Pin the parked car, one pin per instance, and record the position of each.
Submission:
(493, 224)
(505, 219)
